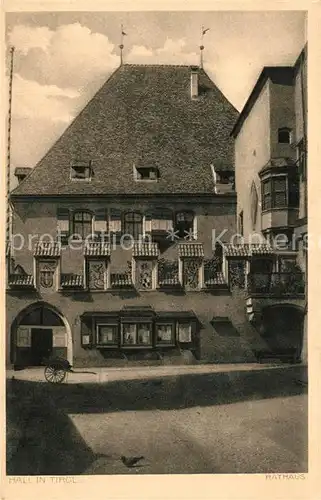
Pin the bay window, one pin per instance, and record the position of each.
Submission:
(274, 192)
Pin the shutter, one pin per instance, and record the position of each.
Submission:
(63, 223)
(148, 223)
(115, 221)
(100, 222)
(162, 220)
(86, 333)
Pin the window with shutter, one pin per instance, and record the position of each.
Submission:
(100, 223)
(115, 218)
(63, 224)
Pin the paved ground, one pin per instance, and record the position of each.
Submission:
(182, 419)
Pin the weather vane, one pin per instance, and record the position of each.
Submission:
(121, 45)
(203, 32)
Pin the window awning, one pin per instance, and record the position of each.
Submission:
(247, 250)
(72, 281)
(145, 250)
(47, 249)
(21, 280)
(190, 250)
(97, 249)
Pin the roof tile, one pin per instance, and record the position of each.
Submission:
(247, 250)
(145, 250)
(97, 249)
(24, 280)
(121, 280)
(71, 281)
(190, 250)
(47, 249)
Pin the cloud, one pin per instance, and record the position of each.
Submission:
(34, 101)
(172, 52)
(70, 56)
(24, 38)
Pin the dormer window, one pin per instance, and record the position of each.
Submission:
(284, 135)
(81, 171)
(146, 173)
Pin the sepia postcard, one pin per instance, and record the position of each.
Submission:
(160, 242)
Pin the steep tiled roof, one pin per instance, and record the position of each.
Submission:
(47, 249)
(72, 281)
(247, 250)
(145, 250)
(190, 250)
(97, 249)
(142, 116)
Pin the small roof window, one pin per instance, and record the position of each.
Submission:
(81, 171)
(146, 173)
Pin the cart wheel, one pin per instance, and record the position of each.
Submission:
(55, 375)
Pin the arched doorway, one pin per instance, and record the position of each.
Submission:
(38, 332)
(283, 329)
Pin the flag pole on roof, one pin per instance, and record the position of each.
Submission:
(203, 32)
(121, 45)
(8, 211)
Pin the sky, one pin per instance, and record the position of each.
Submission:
(62, 58)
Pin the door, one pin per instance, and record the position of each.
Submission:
(41, 345)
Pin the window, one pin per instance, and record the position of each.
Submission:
(184, 332)
(161, 220)
(266, 195)
(80, 171)
(133, 225)
(146, 174)
(82, 224)
(107, 335)
(184, 224)
(274, 192)
(284, 136)
(240, 223)
(23, 337)
(137, 334)
(294, 192)
(165, 334)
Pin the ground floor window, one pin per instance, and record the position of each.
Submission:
(137, 333)
(107, 334)
(113, 329)
(184, 332)
(165, 334)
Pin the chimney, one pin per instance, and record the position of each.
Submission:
(194, 82)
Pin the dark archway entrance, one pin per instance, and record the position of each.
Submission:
(283, 329)
(38, 333)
